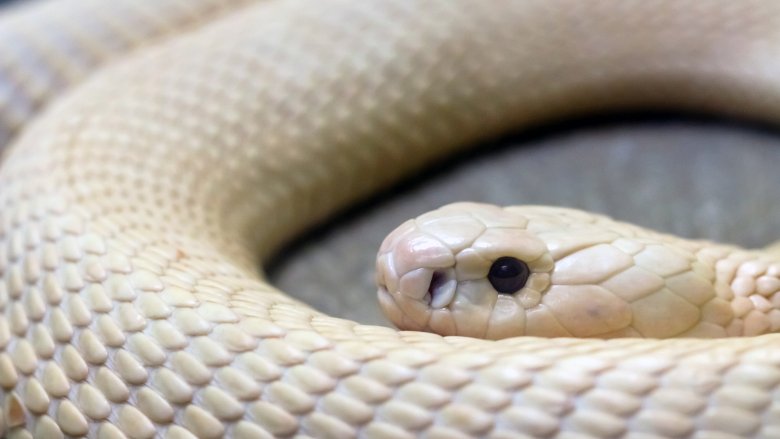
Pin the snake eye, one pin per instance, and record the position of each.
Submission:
(508, 275)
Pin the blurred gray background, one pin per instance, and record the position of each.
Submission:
(694, 177)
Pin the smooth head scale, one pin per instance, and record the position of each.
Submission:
(577, 274)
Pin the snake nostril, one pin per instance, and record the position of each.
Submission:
(441, 289)
(437, 279)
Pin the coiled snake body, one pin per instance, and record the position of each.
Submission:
(134, 209)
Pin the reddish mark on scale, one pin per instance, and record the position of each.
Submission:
(16, 415)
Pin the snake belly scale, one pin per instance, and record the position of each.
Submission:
(134, 210)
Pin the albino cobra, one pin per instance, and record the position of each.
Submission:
(134, 211)
(481, 271)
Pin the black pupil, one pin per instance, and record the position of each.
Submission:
(508, 275)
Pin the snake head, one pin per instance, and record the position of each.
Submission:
(484, 271)
(464, 269)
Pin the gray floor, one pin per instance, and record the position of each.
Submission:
(693, 178)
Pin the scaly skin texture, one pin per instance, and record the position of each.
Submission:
(48, 46)
(134, 211)
(590, 277)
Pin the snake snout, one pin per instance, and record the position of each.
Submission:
(415, 275)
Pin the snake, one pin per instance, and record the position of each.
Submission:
(482, 271)
(158, 152)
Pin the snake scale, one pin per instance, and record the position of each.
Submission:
(178, 144)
